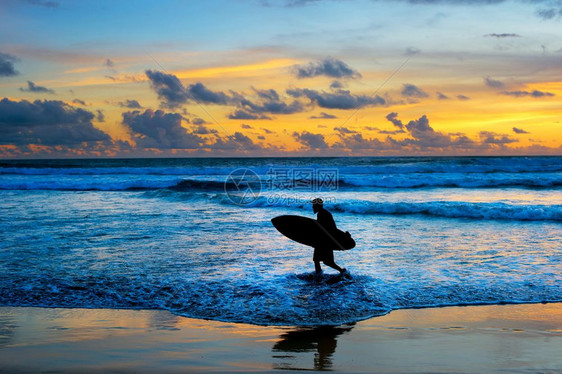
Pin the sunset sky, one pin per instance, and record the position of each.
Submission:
(280, 78)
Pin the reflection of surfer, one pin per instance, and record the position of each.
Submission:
(321, 340)
(324, 254)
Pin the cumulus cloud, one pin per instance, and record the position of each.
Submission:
(158, 129)
(393, 118)
(79, 102)
(245, 126)
(519, 131)
(100, 117)
(269, 102)
(273, 107)
(168, 88)
(344, 130)
(238, 141)
(411, 90)
(534, 93)
(488, 137)
(425, 135)
(199, 121)
(32, 87)
(336, 85)
(442, 96)
(245, 115)
(421, 138)
(358, 142)
(131, 104)
(463, 97)
(173, 94)
(269, 95)
(340, 99)
(7, 68)
(198, 92)
(388, 132)
(323, 115)
(124, 78)
(329, 67)
(493, 83)
(202, 130)
(310, 140)
(48, 122)
(109, 63)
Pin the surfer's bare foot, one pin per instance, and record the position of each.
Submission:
(343, 271)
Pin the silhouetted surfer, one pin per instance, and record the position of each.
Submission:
(321, 254)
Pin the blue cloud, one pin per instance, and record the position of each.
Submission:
(32, 87)
(158, 129)
(410, 90)
(48, 122)
(7, 68)
(340, 99)
(329, 67)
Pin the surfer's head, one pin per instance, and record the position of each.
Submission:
(317, 204)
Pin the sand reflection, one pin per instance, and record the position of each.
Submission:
(8, 326)
(298, 344)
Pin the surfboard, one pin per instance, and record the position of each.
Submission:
(309, 232)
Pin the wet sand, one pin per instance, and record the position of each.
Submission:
(503, 338)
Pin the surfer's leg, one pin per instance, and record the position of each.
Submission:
(316, 258)
(317, 267)
(333, 265)
(329, 261)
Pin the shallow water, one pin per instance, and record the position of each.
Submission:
(163, 234)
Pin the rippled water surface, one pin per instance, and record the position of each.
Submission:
(163, 234)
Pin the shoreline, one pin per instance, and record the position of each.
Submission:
(283, 326)
(486, 338)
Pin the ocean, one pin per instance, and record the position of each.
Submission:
(193, 236)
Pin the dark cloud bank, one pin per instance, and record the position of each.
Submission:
(263, 104)
(67, 130)
(48, 122)
(418, 137)
(157, 129)
(52, 123)
(340, 99)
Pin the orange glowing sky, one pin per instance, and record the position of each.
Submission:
(280, 78)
